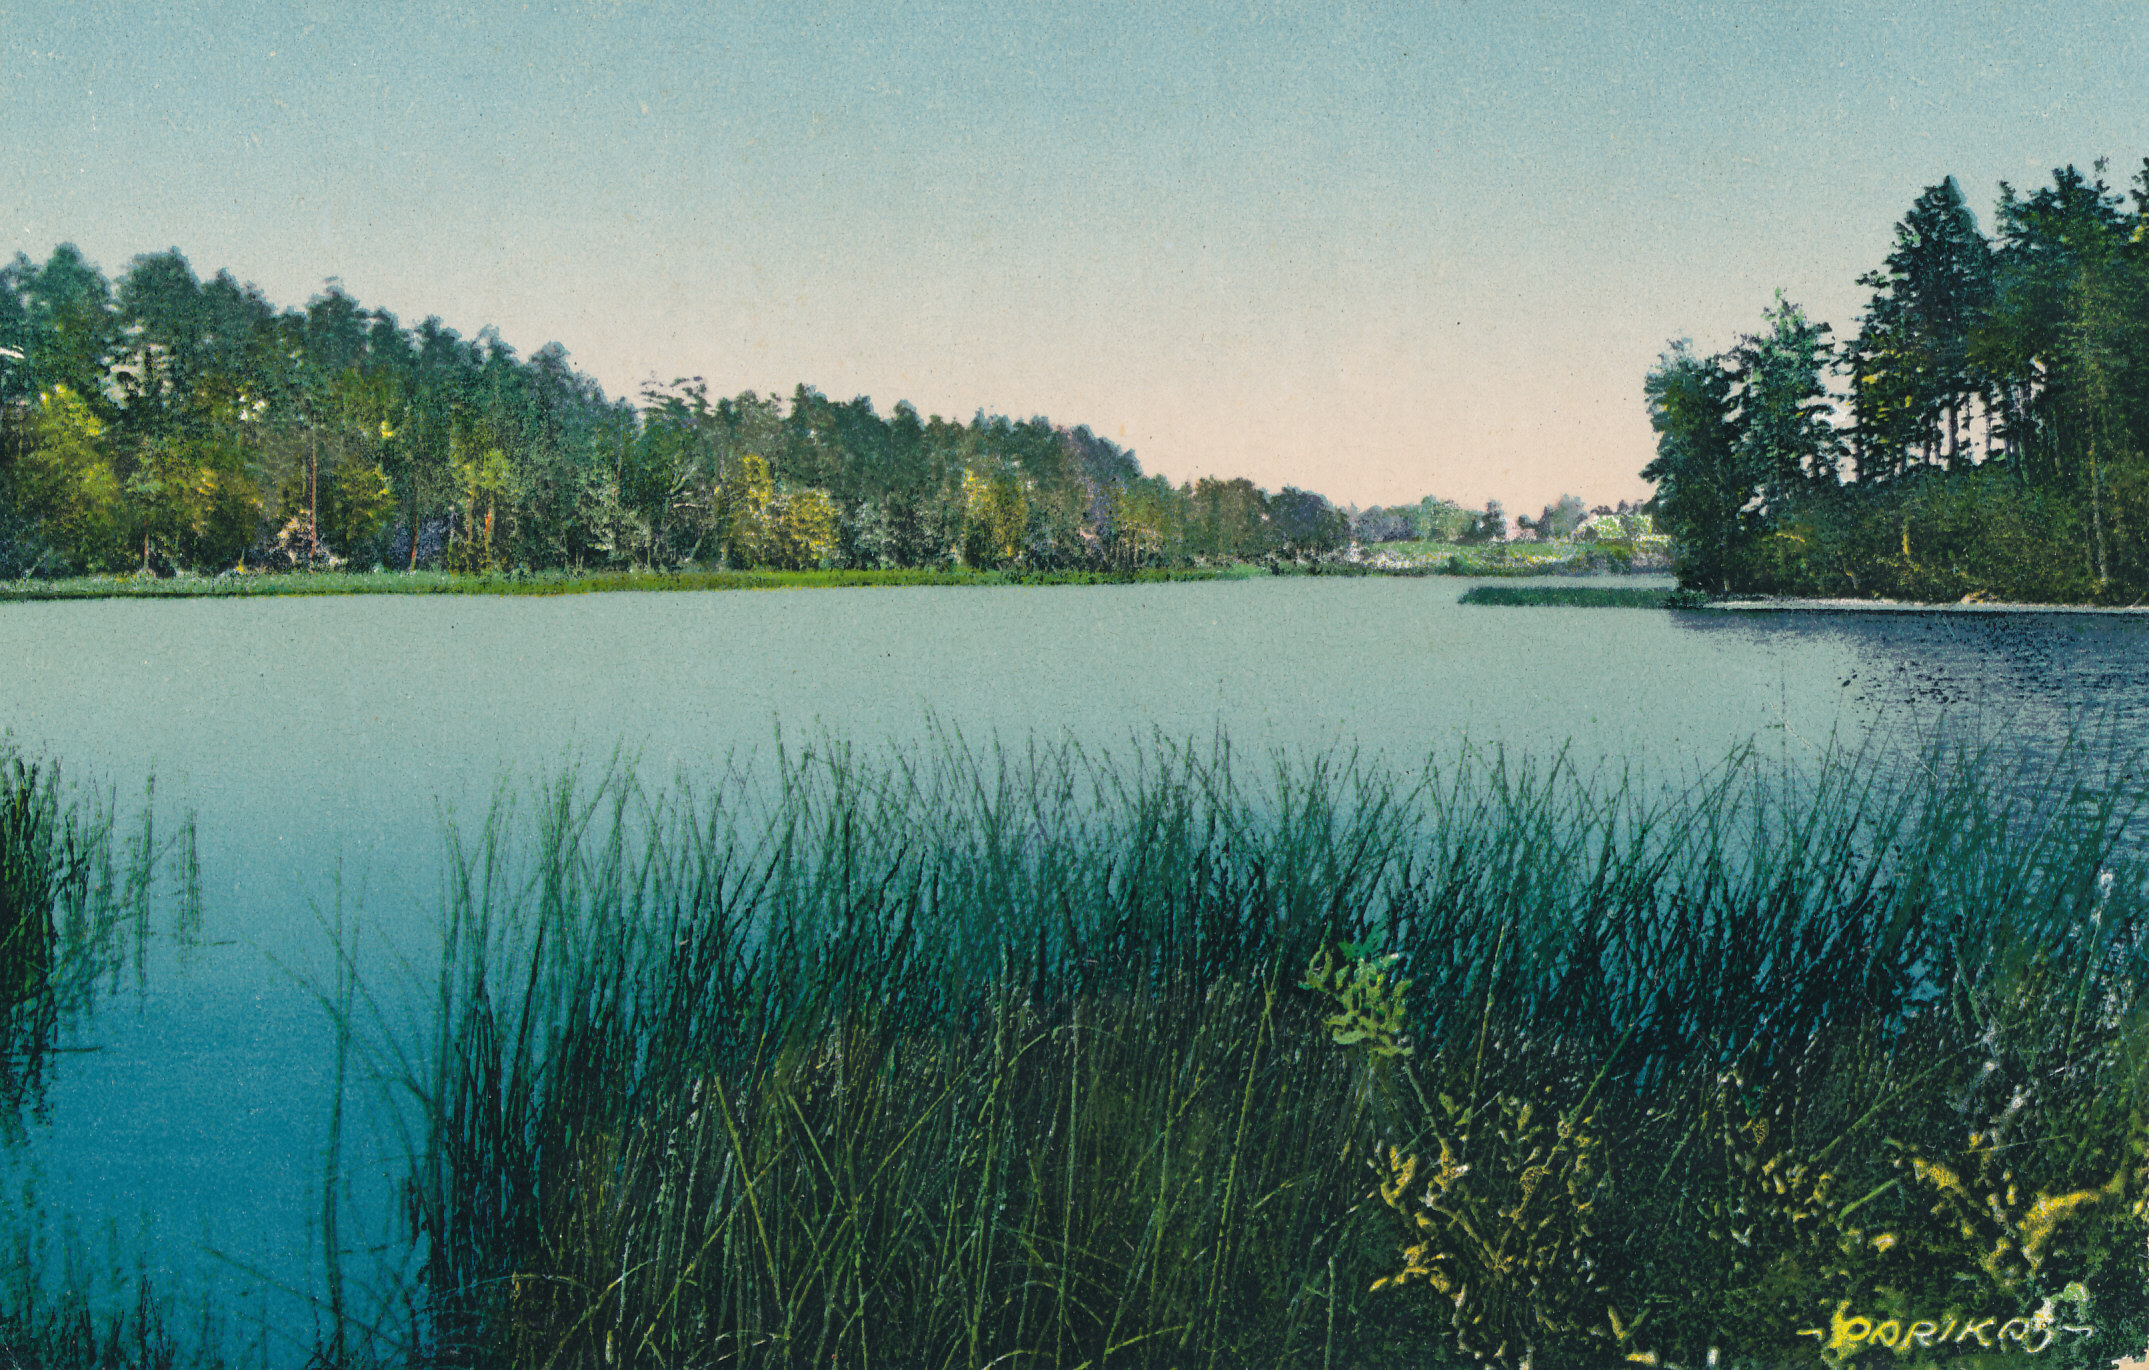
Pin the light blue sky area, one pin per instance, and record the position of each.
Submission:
(1379, 251)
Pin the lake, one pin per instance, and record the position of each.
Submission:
(322, 742)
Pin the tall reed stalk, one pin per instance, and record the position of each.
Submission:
(34, 863)
(77, 889)
(969, 1058)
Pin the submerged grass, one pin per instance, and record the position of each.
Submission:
(553, 582)
(60, 1310)
(969, 1059)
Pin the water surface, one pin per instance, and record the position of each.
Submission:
(323, 741)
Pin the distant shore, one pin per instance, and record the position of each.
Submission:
(1522, 561)
(288, 583)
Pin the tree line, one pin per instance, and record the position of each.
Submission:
(1982, 435)
(164, 423)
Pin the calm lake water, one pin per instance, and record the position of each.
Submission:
(321, 742)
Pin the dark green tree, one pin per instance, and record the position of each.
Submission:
(1307, 523)
(70, 328)
(2047, 240)
(1787, 443)
(1702, 484)
(1228, 519)
(1913, 377)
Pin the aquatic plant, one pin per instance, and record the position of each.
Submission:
(32, 866)
(947, 1058)
(74, 904)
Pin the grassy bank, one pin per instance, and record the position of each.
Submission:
(552, 582)
(1581, 596)
(963, 1059)
(1407, 559)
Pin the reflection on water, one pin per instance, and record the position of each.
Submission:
(2042, 685)
(2026, 672)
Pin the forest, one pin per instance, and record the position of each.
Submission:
(162, 424)
(1983, 435)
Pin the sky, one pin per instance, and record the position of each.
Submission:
(1376, 250)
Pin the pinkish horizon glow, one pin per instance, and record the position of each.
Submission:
(1379, 251)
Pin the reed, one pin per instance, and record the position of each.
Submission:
(63, 1309)
(965, 1058)
(34, 864)
(78, 884)
(1575, 596)
(76, 891)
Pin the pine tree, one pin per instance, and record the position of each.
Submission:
(1785, 441)
(1912, 373)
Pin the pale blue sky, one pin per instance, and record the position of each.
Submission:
(1375, 250)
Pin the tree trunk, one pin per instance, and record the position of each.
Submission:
(2096, 515)
(313, 500)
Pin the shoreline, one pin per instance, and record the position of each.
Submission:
(289, 584)
(271, 584)
(1795, 604)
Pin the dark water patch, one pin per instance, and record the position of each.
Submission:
(1983, 670)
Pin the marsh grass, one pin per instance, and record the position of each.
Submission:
(63, 1309)
(1573, 596)
(977, 1058)
(79, 880)
(76, 889)
(34, 864)
(76, 1299)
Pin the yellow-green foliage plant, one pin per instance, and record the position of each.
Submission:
(1495, 1199)
(1751, 1150)
(1498, 1201)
